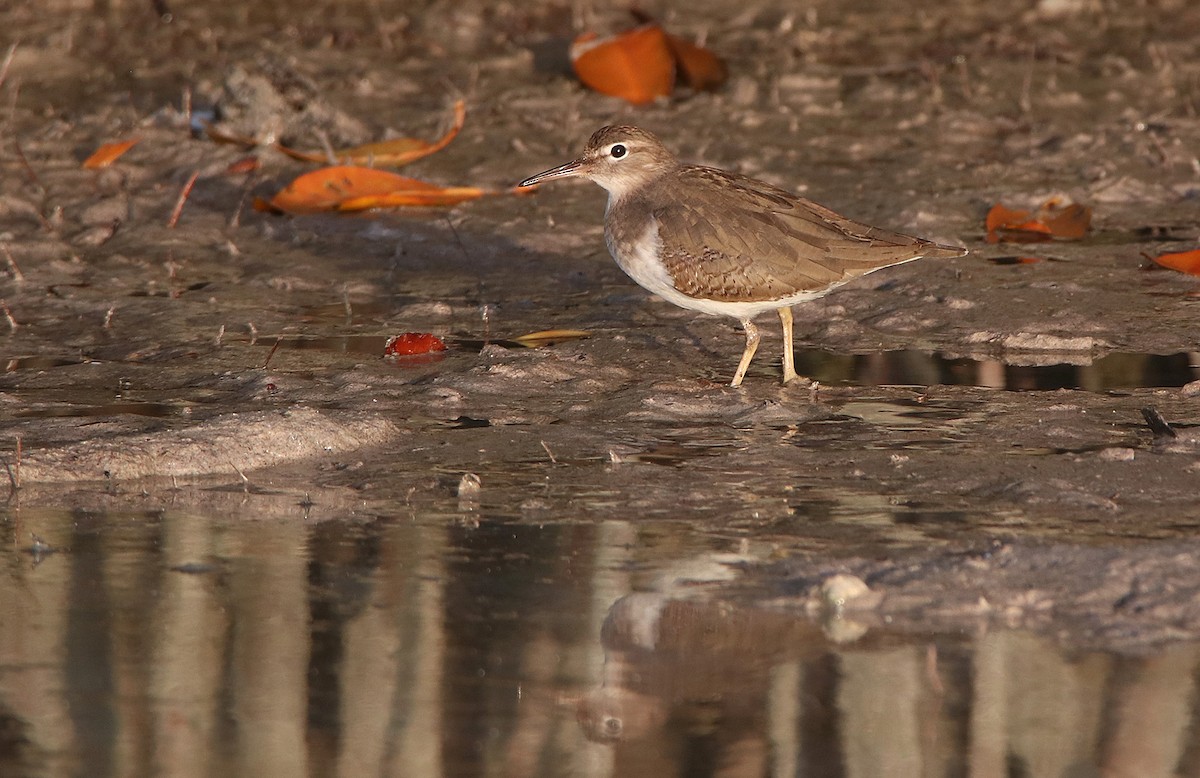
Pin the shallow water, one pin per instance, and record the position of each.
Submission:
(428, 645)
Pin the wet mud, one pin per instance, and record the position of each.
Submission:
(994, 446)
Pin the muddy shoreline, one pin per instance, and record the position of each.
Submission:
(143, 361)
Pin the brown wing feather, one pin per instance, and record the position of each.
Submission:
(728, 237)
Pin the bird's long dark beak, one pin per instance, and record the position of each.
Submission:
(572, 168)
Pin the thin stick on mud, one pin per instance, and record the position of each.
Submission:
(245, 480)
(274, 348)
(12, 323)
(8, 58)
(14, 471)
(235, 221)
(1025, 100)
(187, 105)
(12, 102)
(17, 275)
(183, 196)
(457, 239)
(33, 176)
(327, 147)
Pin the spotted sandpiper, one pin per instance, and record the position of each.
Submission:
(718, 242)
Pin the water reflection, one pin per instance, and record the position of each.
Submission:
(905, 367)
(182, 644)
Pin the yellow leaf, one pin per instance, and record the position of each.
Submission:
(550, 337)
(392, 153)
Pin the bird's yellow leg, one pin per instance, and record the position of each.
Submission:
(748, 354)
(789, 356)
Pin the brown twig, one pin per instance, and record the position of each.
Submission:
(8, 58)
(245, 480)
(278, 342)
(12, 323)
(17, 275)
(187, 106)
(183, 196)
(14, 471)
(33, 176)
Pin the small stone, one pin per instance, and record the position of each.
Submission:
(844, 591)
(106, 211)
(1040, 341)
(469, 487)
(1117, 454)
(1190, 389)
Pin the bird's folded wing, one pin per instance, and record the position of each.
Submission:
(727, 237)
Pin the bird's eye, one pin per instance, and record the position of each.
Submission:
(618, 151)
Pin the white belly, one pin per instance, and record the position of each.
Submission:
(642, 265)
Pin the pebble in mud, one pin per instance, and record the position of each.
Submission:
(847, 592)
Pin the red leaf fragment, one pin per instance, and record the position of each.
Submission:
(413, 343)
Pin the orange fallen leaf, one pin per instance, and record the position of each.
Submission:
(353, 188)
(700, 68)
(1183, 261)
(1069, 222)
(1053, 219)
(394, 153)
(108, 153)
(637, 66)
(1001, 217)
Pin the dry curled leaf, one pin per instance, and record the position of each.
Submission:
(697, 66)
(550, 337)
(1053, 219)
(636, 66)
(393, 153)
(644, 63)
(109, 153)
(1183, 261)
(353, 188)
